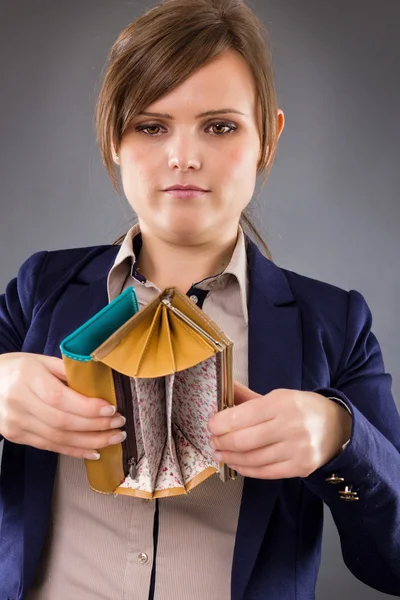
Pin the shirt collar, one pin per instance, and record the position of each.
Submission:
(129, 247)
(236, 269)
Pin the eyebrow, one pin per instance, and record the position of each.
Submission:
(209, 113)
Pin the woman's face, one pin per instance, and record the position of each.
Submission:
(218, 153)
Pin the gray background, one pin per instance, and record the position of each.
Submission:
(330, 209)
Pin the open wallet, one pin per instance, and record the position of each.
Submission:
(167, 368)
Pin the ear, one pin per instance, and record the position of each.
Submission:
(280, 126)
(114, 155)
(281, 122)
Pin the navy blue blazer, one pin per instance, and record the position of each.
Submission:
(303, 334)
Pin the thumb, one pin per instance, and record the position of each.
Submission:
(54, 365)
(242, 393)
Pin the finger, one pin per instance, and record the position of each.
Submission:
(281, 470)
(77, 439)
(19, 413)
(68, 421)
(36, 441)
(250, 413)
(256, 458)
(276, 471)
(58, 395)
(251, 438)
(242, 393)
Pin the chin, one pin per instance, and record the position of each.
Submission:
(187, 232)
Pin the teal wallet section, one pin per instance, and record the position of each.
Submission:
(83, 341)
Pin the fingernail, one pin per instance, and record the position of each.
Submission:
(118, 438)
(108, 411)
(212, 444)
(118, 422)
(218, 456)
(92, 456)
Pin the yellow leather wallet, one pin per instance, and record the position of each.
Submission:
(167, 368)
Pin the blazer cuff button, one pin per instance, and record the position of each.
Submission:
(334, 479)
(348, 495)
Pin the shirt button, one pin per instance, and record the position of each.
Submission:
(194, 298)
(142, 558)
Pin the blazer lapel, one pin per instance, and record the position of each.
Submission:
(77, 298)
(275, 361)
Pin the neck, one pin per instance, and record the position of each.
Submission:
(167, 264)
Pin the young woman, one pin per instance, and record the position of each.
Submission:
(188, 102)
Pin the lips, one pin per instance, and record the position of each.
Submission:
(186, 192)
(185, 188)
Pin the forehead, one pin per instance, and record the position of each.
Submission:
(226, 81)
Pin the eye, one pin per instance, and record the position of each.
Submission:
(226, 128)
(147, 126)
(230, 126)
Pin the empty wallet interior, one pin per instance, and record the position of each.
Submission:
(170, 416)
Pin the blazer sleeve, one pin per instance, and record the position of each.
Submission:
(17, 304)
(369, 527)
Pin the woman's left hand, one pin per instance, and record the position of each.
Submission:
(286, 433)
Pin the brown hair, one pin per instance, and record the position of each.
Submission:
(163, 47)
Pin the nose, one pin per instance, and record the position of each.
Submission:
(184, 154)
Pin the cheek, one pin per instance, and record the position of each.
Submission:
(137, 171)
(241, 159)
(241, 167)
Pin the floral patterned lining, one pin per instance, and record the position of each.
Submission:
(149, 397)
(195, 400)
(171, 415)
(191, 461)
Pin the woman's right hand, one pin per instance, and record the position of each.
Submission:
(38, 409)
